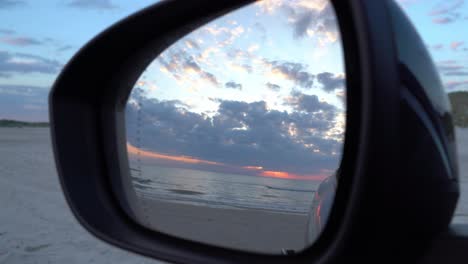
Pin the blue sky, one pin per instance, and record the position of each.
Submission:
(442, 25)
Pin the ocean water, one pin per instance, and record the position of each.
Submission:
(216, 189)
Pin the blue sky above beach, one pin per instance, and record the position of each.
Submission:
(38, 38)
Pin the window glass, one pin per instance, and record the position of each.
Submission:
(442, 25)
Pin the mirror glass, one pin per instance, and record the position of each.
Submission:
(235, 132)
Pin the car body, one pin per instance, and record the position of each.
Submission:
(322, 204)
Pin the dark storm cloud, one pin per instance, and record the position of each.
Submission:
(239, 134)
(233, 85)
(329, 81)
(273, 87)
(26, 63)
(295, 72)
(10, 3)
(27, 103)
(92, 4)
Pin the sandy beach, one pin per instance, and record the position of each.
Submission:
(246, 229)
(36, 225)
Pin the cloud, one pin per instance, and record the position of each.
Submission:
(330, 81)
(451, 68)
(178, 63)
(233, 85)
(26, 63)
(239, 134)
(437, 47)
(5, 75)
(407, 2)
(92, 4)
(309, 103)
(451, 85)
(312, 18)
(307, 18)
(27, 103)
(302, 23)
(253, 48)
(456, 44)
(64, 48)
(10, 3)
(443, 20)
(445, 66)
(446, 7)
(273, 87)
(293, 71)
(269, 6)
(456, 73)
(341, 94)
(225, 36)
(446, 12)
(4, 31)
(20, 41)
(192, 44)
(447, 62)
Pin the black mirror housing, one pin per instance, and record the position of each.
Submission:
(398, 169)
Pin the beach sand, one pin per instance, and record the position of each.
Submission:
(36, 225)
(461, 212)
(246, 229)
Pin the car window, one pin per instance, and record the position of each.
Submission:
(442, 26)
(37, 38)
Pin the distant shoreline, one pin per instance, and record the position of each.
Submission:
(21, 124)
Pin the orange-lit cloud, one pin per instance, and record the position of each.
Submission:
(149, 154)
(258, 170)
(253, 167)
(269, 6)
(456, 44)
(291, 176)
(317, 5)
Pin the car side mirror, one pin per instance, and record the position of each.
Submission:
(134, 164)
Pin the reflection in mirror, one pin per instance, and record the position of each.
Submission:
(235, 132)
